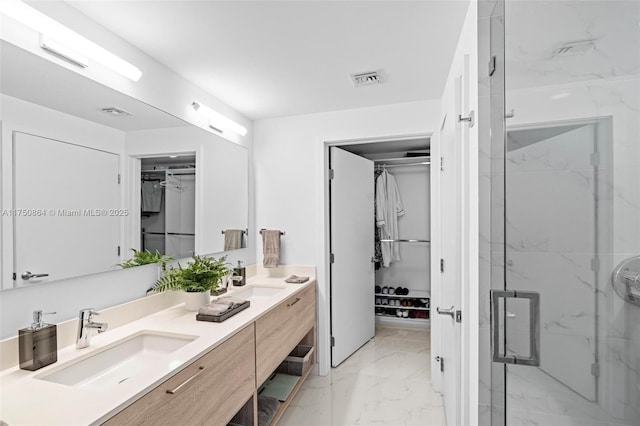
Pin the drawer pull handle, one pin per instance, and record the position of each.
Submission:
(294, 302)
(173, 391)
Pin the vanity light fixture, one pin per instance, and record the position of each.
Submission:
(59, 49)
(62, 41)
(217, 121)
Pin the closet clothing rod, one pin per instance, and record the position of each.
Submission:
(404, 241)
(423, 163)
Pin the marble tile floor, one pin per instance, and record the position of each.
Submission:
(386, 382)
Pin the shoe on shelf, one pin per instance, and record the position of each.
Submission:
(378, 289)
(391, 290)
(399, 313)
(378, 301)
(405, 314)
(385, 290)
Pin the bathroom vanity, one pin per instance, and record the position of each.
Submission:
(197, 373)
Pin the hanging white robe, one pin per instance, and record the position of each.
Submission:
(389, 208)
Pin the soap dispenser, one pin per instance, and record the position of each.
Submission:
(240, 275)
(38, 344)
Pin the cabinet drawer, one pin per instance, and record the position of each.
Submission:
(280, 330)
(209, 391)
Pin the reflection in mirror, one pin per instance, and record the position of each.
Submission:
(65, 139)
(167, 205)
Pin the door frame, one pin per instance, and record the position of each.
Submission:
(323, 235)
(131, 176)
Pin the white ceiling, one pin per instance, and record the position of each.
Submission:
(26, 76)
(276, 58)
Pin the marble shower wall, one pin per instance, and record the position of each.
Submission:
(615, 336)
(583, 318)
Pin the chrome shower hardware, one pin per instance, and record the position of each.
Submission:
(625, 280)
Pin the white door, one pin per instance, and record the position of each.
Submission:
(352, 245)
(76, 192)
(451, 249)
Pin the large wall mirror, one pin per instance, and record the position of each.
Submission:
(78, 184)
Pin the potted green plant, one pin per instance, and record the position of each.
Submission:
(145, 257)
(197, 279)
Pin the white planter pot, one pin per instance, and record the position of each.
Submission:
(193, 301)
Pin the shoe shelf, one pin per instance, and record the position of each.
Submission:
(402, 307)
(413, 294)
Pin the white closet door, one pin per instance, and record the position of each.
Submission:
(352, 273)
(76, 187)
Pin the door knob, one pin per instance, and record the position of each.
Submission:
(28, 275)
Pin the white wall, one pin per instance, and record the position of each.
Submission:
(290, 166)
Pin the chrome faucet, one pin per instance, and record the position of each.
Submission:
(85, 325)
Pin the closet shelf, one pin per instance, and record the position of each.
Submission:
(403, 307)
(404, 241)
(413, 294)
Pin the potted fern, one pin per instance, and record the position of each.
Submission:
(197, 279)
(146, 257)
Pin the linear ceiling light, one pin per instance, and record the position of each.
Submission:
(63, 36)
(218, 121)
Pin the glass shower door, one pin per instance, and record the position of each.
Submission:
(565, 218)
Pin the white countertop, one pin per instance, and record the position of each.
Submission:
(26, 400)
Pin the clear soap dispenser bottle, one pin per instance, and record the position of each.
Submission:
(38, 344)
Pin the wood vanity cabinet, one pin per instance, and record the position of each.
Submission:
(221, 383)
(209, 391)
(280, 330)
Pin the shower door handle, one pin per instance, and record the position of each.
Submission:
(534, 327)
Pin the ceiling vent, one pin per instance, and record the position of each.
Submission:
(575, 48)
(115, 111)
(365, 78)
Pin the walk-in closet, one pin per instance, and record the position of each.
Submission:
(168, 205)
(402, 290)
(380, 239)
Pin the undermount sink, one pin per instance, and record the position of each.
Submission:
(255, 292)
(119, 361)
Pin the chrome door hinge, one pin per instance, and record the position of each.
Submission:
(118, 250)
(442, 163)
(14, 276)
(441, 265)
(331, 174)
(332, 258)
(458, 316)
(595, 369)
(333, 341)
(118, 178)
(595, 159)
